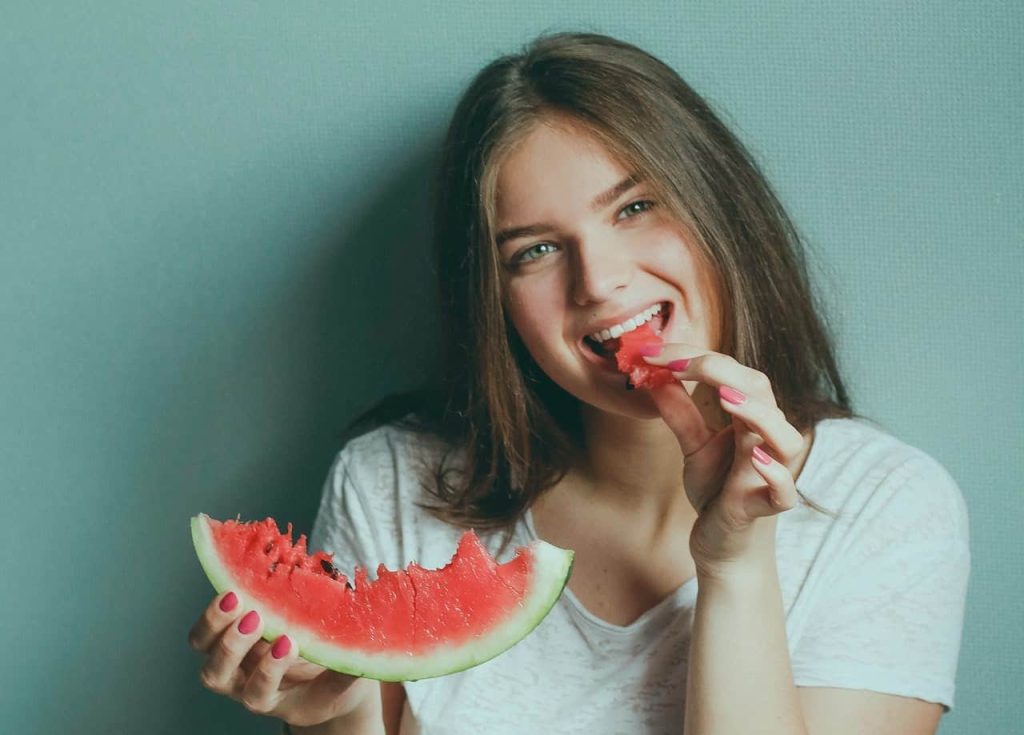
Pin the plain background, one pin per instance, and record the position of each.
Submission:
(213, 254)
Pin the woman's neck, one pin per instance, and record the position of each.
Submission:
(630, 464)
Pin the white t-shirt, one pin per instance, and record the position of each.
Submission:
(873, 599)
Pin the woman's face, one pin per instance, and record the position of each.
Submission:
(589, 262)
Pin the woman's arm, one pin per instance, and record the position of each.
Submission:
(739, 678)
(392, 699)
(365, 718)
(739, 479)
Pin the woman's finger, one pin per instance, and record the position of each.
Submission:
(253, 657)
(261, 692)
(782, 495)
(765, 420)
(674, 356)
(714, 369)
(221, 672)
(682, 415)
(216, 618)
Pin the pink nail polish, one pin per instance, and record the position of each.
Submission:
(281, 647)
(731, 394)
(228, 602)
(650, 350)
(249, 623)
(678, 366)
(761, 456)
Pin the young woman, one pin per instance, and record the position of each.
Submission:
(750, 555)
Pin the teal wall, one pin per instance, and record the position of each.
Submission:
(212, 256)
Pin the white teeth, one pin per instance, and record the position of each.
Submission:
(627, 326)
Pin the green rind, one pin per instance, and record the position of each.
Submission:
(553, 565)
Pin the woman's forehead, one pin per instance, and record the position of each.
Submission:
(571, 165)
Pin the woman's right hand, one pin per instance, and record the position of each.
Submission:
(268, 679)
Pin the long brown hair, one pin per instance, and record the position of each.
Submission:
(513, 428)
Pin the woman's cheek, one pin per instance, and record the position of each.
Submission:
(536, 303)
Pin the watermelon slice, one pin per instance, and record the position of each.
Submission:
(629, 360)
(403, 626)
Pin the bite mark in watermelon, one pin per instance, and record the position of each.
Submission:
(631, 362)
(403, 626)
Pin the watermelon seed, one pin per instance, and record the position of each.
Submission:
(331, 570)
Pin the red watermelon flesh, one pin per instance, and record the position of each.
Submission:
(631, 362)
(406, 624)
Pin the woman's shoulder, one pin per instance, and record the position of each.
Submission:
(403, 438)
(377, 487)
(851, 445)
(394, 459)
(370, 468)
(860, 469)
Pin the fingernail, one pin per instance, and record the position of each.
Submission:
(678, 366)
(227, 604)
(281, 647)
(249, 623)
(731, 394)
(761, 456)
(650, 350)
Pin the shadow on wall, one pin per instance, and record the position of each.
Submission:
(373, 331)
(380, 312)
(369, 296)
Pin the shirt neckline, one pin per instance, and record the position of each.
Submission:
(684, 595)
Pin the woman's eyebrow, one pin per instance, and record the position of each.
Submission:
(600, 202)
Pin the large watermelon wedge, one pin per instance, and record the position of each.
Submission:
(403, 626)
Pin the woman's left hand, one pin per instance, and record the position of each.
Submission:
(734, 475)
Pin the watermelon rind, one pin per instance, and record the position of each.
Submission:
(551, 567)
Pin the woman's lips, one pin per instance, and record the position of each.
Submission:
(608, 361)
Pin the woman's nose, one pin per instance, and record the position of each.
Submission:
(600, 268)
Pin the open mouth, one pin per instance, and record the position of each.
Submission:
(606, 349)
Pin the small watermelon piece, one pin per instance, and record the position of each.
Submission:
(403, 626)
(629, 360)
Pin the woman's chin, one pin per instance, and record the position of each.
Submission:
(632, 404)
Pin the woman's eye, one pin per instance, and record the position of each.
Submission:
(629, 206)
(534, 252)
(531, 253)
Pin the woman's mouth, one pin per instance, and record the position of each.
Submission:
(603, 351)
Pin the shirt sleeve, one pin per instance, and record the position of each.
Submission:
(344, 522)
(890, 617)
